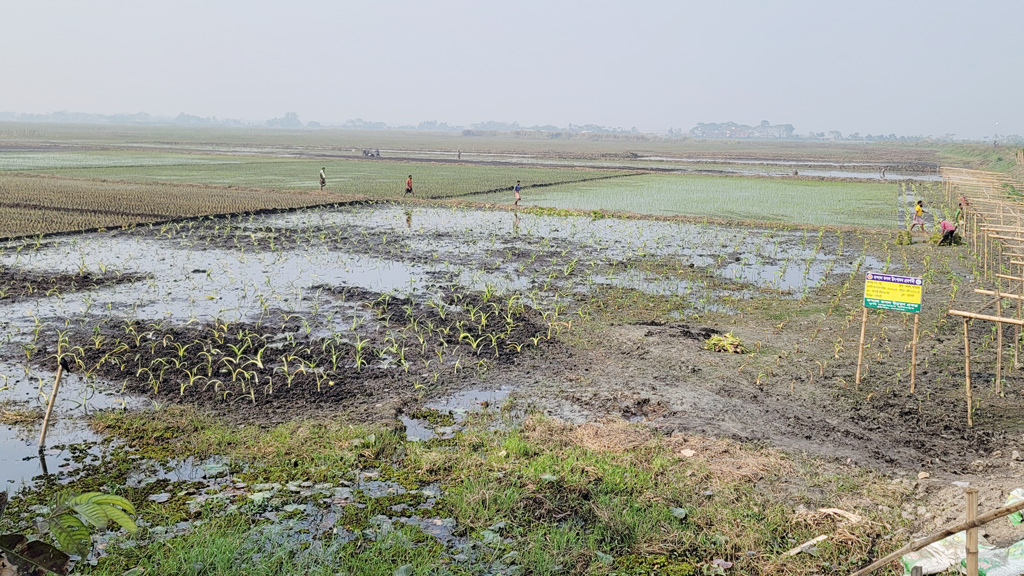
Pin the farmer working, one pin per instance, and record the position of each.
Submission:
(323, 179)
(948, 229)
(408, 185)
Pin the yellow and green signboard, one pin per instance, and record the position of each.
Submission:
(891, 292)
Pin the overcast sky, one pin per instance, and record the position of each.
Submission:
(907, 67)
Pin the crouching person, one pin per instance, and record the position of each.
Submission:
(948, 229)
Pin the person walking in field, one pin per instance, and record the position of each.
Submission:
(518, 197)
(323, 179)
(408, 185)
(918, 216)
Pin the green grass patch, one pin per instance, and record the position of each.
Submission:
(375, 178)
(539, 497)
(813, 202)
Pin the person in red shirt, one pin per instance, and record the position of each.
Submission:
(408, 185)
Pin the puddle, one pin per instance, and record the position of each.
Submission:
(27, 392)
(462, 403)
(459, 406)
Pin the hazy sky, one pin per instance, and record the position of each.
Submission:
(907, 67)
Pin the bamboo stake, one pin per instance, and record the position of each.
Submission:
(999, 345)
(967, 374)
(984, 261)
(913, 354)
(1001, 294)
(972, 533)
(1016, 329)
(944, 533)
(860, 348)
(974, 316)
(49, 406)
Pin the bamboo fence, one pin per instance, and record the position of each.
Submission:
(993, 228)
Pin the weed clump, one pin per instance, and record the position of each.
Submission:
(725, 343)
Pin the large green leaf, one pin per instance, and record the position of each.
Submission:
(91, 513)
(110, 499)
(118, 516)
(32, 557)
(70, 533)
(99, 509)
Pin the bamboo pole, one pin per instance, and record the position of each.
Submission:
(913, 354)
(972, 533)
(860, 347)
(984, 260)
(967, 375)
(974, 316)
(915, 545)
(49, 406)
(1001, 294)
(999, 344)
(1016, 329)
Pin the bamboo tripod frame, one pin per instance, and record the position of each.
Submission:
(993, 228)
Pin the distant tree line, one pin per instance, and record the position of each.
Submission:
(291, 121)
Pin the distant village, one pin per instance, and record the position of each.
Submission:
(734, 130)
(290, 121)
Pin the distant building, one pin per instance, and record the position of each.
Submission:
(764, 130)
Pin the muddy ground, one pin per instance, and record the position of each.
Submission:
(575, 345)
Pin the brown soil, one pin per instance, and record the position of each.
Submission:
(16, 284)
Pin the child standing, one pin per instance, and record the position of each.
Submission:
(518, 197)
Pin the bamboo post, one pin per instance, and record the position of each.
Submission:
(860, 347)
(944, 533)
(972, 533)
(49, 406)
(967, 374)
(913, 354)
(974, 229)
(999, 344)
(1016, 329)
(984, 260)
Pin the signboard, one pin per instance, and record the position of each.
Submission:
(889, 292)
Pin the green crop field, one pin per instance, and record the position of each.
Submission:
(813, 202)
(376, 178)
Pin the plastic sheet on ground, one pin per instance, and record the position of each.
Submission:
(952, 551)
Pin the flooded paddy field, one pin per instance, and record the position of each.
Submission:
(358, 380)
(414, 318)
(371, 309)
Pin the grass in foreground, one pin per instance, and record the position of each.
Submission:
(540, 497)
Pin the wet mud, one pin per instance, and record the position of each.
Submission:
(379, 311)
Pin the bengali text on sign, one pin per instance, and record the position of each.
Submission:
(890, 292)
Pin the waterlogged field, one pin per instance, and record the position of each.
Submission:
(365, 314)
(818, 203)
(16, 160)
(422, 388)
